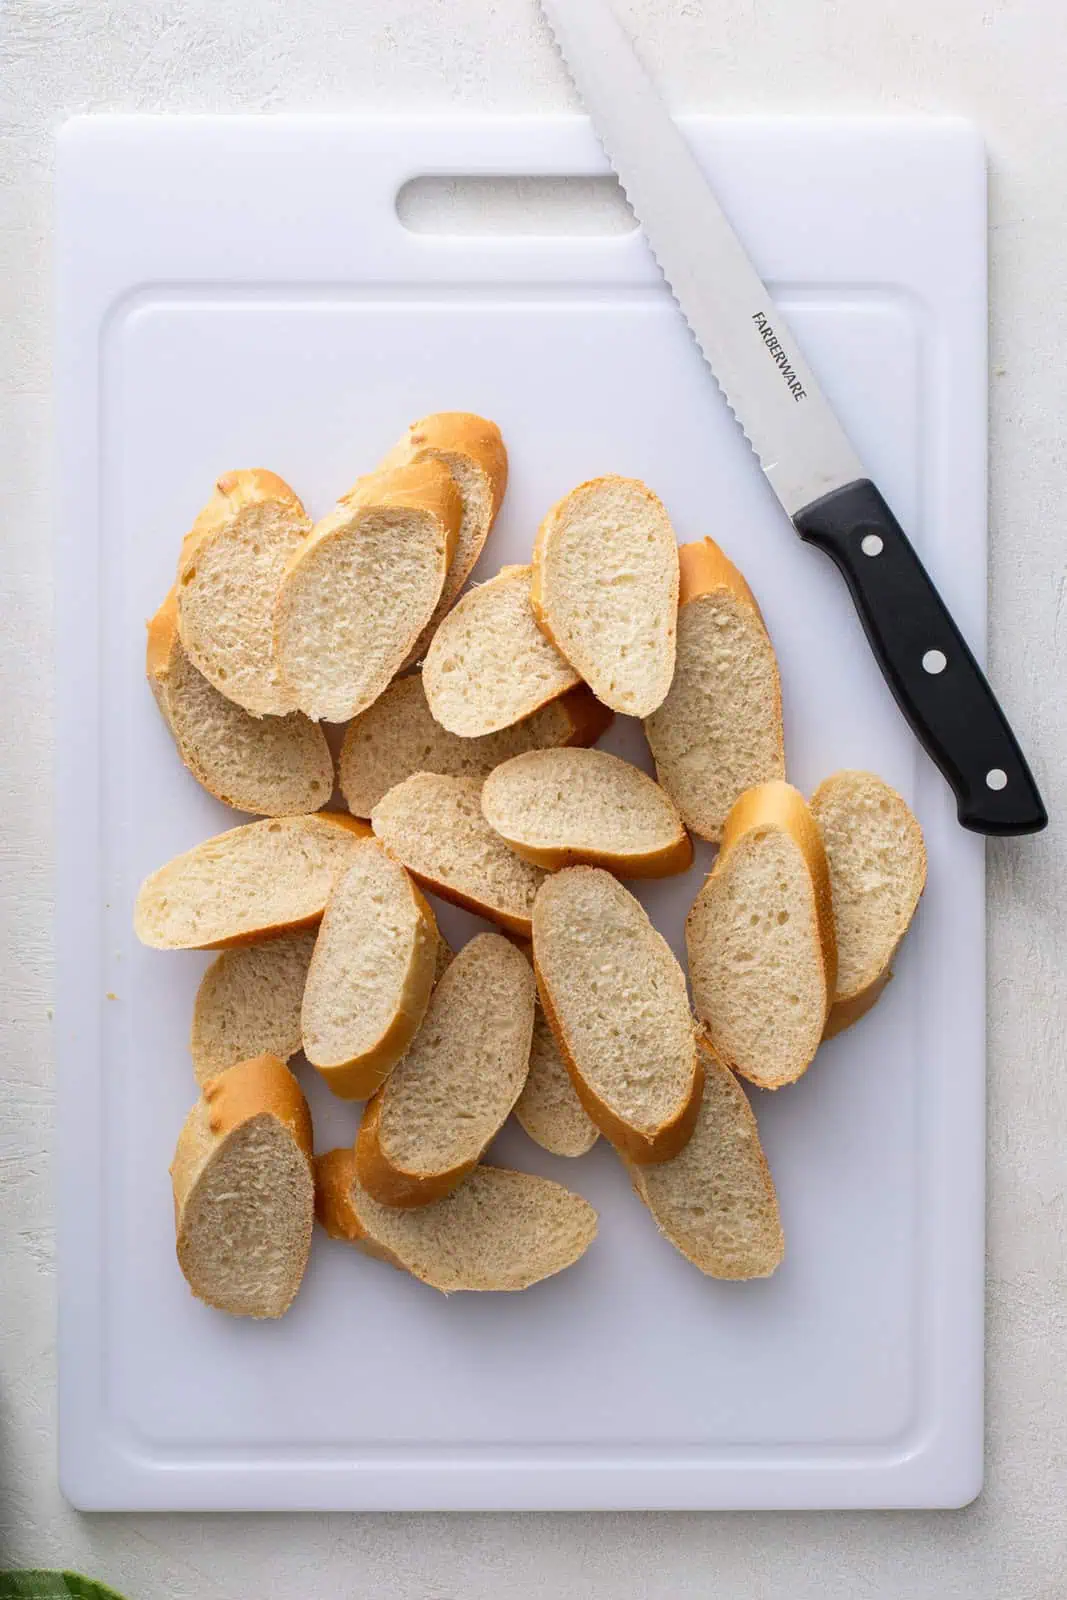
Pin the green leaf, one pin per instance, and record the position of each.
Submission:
(38, 1585)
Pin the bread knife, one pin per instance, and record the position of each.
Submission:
(802, 448)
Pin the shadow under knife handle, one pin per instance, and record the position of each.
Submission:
(935, 679)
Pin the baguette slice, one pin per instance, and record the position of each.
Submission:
(489, 665)
(437, 1112)
(878, 872)
(230, 568)
(716, 1202)
(434, 825)
(497, 1230)
(275, 766)
(248, 1004)
(548, 1109)
(760, 934)
(564, 808)
(615, 998)
(398, 735)
(248, 884)
(357, 594)
(473, 451)
(605, 590)
(719, 731)
(371, 974)
(244, 1197)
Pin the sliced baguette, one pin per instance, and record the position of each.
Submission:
(719, 731)
(497, 1230)
(244, 1198)
(473, 451)
(760, 934)
(398, 735)
(371, 975)
(229, 571)
(440, 1108)
(248, 884)
(548, 1109)
(434, 825)
(877, 859)
(248, 1004)
(359, 591)
(715, 1201)
(605, 590)
(615, 998)
(489, 665)
(249, 1001)
(565, 808)
(274, 766)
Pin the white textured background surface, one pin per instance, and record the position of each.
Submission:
(997, 61)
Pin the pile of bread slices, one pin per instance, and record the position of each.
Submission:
(469, 771)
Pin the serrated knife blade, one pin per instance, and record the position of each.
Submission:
(752, 354)
(803, 449)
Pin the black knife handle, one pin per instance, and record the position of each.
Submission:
(935, 679)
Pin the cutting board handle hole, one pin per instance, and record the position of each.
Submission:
(550, 207)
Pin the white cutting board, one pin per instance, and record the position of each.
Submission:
(238, 292)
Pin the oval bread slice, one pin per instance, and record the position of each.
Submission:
(715, 1201)
(434, 825)
(440, 1108)
(275, 766)
(564, 808)
(473, 451)
(489, 664)
(359, 591)
(548, 1109)
(877, 859)
(244, 1196)
(719, 731)
(398, 736)
(230, 568)
(371, 974)
(760, 934)
(605, 590)
(248, 884)
(248, 1004)
(616, 1001)
(497, 1230)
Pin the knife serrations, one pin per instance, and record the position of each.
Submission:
(743, 337)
